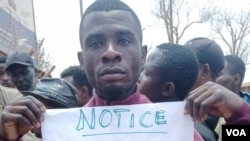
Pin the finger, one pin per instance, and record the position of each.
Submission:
(196, 106)
(11, 123)
(41, 107)
(38, 103)
(188, 107)
(33, 104)
(198, 91)
(33, 99)
(24, 111)
(207, 104)
(189, 100)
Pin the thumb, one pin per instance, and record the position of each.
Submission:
(10, 131)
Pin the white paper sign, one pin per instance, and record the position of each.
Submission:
(142, 122)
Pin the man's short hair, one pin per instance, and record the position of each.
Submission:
(79, 77)
(235, 65)
(178, 65)
(110, 5)
(208, 51)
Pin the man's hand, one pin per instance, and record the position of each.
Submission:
(214, 99)
(20, 116)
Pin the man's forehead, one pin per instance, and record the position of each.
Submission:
(108, 17)
(111, 18)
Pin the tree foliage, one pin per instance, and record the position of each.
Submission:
(179, 15)
(44, 59)
(233, 29)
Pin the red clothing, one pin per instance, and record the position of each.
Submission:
(135, 98)
(241, 116)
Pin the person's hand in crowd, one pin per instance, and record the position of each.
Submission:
(214, 99)
(20, 116)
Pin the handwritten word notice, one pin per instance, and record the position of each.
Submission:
(142, 122)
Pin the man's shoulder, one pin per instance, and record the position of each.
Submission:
(144, 99)
(8, 94)
(9, 91)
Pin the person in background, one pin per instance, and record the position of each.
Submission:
(169, 73)
(211, 62)
(7, 90)
(76, 76)
(4, 76)
(111, 41)
(10, 94)
(233, 75)
(21, 68)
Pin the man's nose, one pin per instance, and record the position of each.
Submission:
(111, 54)
(6, 77)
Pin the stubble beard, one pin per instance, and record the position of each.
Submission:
(113, 93)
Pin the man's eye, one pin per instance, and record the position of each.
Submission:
(96, 44)
(124, 42)
(25, 72)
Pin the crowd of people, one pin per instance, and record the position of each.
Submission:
(110, 72)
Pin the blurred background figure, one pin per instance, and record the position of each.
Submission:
(4, 76)
(21, 68)
(76, 76)
(233, 75)
(211, 62)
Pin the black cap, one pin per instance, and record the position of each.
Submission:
(208, 51)
(19, 58)
(55, 90)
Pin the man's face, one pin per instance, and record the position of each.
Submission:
(23, 77)
(150, 79)
(225, 78)
(4, 77)
(111, 53)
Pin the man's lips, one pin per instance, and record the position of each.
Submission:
(112, 74)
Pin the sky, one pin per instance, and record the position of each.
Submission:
(58, 22)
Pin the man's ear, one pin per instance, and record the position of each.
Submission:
(80, 59)
(144, 51)
(206, 72)
(237, 80)
(168, 89)
(83, 96)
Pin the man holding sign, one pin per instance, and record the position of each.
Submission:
(111, 41)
